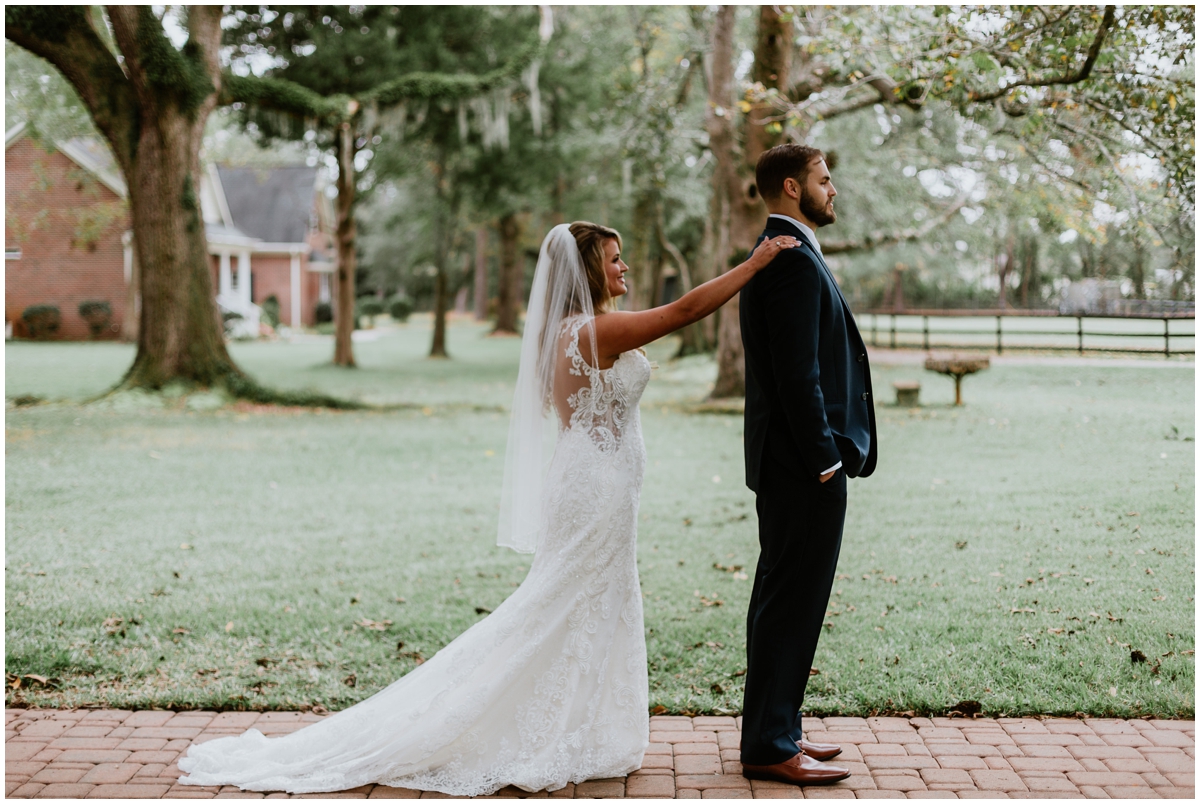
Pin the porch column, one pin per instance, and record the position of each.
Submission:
(225, 277)
(296, 301)
(244, 277)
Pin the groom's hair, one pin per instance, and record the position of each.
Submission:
(788, 161)
(590, 238)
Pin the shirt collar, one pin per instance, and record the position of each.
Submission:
(809, 232)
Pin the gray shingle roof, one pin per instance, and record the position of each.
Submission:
(272, 204)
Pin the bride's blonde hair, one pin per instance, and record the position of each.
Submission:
(590, 238)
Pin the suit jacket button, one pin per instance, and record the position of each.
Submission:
(861, 358)
(865, 395)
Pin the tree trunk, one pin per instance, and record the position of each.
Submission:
(481, 273)
(441, 298)
(747, 213)
(343, 317)
(510, 276)
(1004, 266)
(180, 335)
(641, 272)
(1138, 269)
(441, 290)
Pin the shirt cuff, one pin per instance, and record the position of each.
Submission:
(833, 468)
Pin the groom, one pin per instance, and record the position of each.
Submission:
(810, 424)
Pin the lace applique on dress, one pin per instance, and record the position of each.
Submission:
(551, 687)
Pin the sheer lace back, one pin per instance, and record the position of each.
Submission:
(592, 400)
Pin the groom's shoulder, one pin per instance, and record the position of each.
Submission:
(800, 257)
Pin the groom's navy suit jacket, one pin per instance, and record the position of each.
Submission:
(808, 382)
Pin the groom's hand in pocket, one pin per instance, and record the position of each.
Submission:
(828, 475)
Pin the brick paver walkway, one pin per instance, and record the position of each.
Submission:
(119, 754)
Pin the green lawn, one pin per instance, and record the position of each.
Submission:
(1014, 552)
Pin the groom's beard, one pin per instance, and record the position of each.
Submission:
(821, 216)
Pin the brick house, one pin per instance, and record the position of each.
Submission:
(65, 233)
(68, 238)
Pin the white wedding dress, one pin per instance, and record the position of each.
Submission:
(550, 688)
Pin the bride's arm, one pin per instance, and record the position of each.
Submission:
(618, 332)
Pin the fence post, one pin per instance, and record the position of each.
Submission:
(925, 330)
(1079, 319)
(999, 344)
(1167, 337)
(893, 330)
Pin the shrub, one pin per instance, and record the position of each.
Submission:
(228, 318)
(270, 310)
(97, 314)
(324, 312)
(401, 308)
(367, 308)
(370, 306)
(42, 320)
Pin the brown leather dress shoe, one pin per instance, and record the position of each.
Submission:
(819, 751)
(799, 770)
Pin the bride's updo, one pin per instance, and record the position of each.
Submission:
(590, 238)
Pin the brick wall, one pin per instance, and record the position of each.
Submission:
(68, 227)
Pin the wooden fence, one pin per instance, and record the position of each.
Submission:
(1041, 330)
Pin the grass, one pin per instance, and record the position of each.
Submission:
(1014, 552)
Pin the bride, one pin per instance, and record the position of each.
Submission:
(550, 688)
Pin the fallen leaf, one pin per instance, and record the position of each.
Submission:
(373, 625)
(185, 546)
(351, 680)
(482, 610)
(659, 710)
(1137, 657)
(1022, 611)
(812, 671)
(1054, 630)
(180, 631)
(399, 600)
(967, 708)
(229, 626)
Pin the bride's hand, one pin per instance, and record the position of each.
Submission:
(768, 250)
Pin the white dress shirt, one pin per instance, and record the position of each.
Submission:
(813, 237)
(811, 234)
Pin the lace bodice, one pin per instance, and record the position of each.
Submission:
(592, 400)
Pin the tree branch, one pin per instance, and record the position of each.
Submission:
(281, 95)
(1081, 75)
(157, 71)
(660, 228)
(880, 239)
(63, 36)
(450, 87)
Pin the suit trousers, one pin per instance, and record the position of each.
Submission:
(800, 524)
